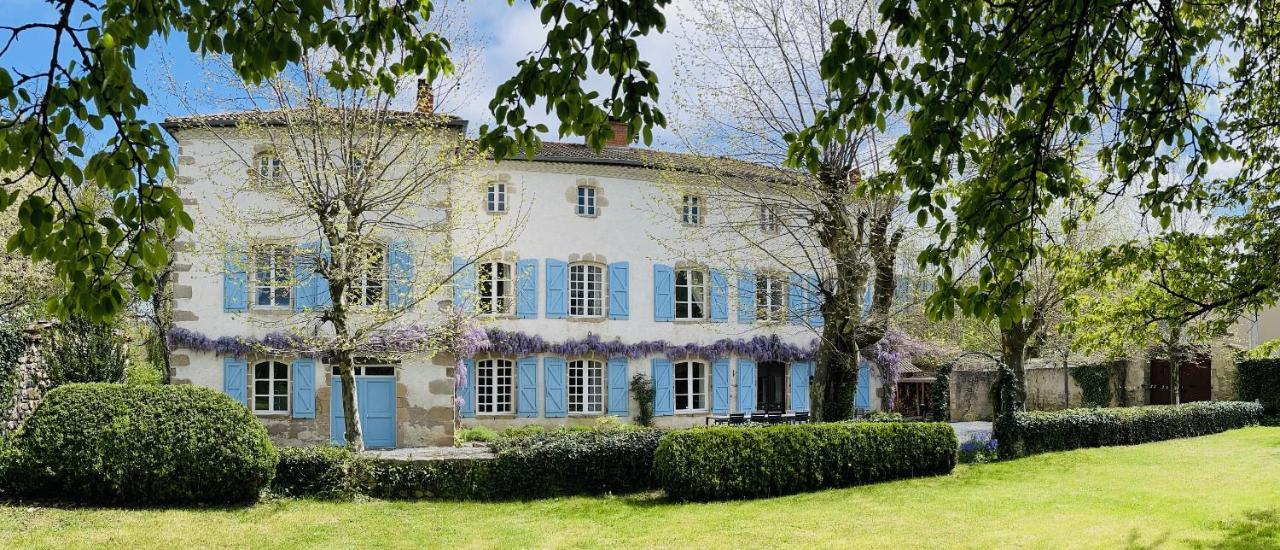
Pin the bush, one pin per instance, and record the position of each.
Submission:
(729, 462)
(9, 464)
(1259, 379)
(480, 434)
(575, 463)
(318, 472)
(883, 416)
(1045, 431)
(81, 350)
(642, 391)
(455, 479)
(111, 443)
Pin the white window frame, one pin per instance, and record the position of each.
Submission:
(771, 297)
(770, 221)
(267, 166)
(586, 201)
(372, 277)
(495, 200)
(587, 290)
(273, 384)
(281, 258)
(495, 294)
(695, 386)
(691, 210)
(695, 294)
(495, 386)
(586, 387)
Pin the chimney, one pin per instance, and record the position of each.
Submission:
(619, 137)
(426, 98)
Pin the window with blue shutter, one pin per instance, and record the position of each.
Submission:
(664, 403)
(746, 385)
(664, 293)
(862, 399)
(235, 281)
(553, 379)
(467, 390)
(746, 297)
(720, 386)
(235, 379)
(557, 289)
(464, 284)
(527, 289)
(800, 373)
(719, 296)
(527, 387)
(619, 285)
(400, 275)
(304, 387)
(815, 302)
(310, 289)
(796, 298)
(619, 392)
(866, 297)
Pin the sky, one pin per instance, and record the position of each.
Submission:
(504, 34)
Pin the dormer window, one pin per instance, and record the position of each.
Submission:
(586, 201)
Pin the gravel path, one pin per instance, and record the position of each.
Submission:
(432, 453)
(968, 430)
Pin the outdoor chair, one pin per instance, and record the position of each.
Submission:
(758, 417)
(802, 417)
(737, 418)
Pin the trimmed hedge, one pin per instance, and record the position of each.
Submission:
(453, 479)
(9, 459)
(112, 443)
(575, 463)
(1046, 431)
(1259, 379)
(315, 472)
(732, 462)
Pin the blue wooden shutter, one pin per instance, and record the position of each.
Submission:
(399, 275)
(619, 306)
(553, 379)
(235, 281)
(464, 284)
(720, 386)
(557, 289)
(304, 273)
(304, 388)
(815, 302)
(527, 289)
(796, 299)
(746, 385)
(800, 373)
(862, 399)
(664, 293)
(746, 297)
(235, 379)
(664, 403)
(866, 297)
(467, 391)
(619, 393)
(337, 422)
(527, 387)
(719, 296)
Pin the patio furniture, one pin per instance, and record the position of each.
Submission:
(773, 417)
(758, 417)
(737, 418)
(802, 417)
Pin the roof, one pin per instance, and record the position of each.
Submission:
(278, 117)
(578, 153)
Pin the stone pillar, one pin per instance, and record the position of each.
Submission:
(32, 379)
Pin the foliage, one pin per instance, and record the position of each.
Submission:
(482, 434)
(586, 462)
(10, 469)
(1095, 383)
(112, 443)
(643, 394)
(883, 416)
(1046, 431)
(451, 479)
(81, 350)
(978, 451)
(733, 462)
(940, 394)
(1264, 350)
(12, 347)
(1259, 379)
(322, 472)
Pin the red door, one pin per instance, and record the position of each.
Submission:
(1195, 381)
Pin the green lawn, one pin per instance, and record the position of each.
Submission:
(1215, 491)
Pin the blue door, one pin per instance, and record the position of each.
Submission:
(376, 399)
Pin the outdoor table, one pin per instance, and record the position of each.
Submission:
(773, 419)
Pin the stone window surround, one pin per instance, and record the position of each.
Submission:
(511, 193)
(706, 298)
(571, 194)
(508, 257)
(603, 262)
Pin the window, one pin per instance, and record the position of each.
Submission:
(771, 292)
(586, 387)
(691, 386)
(692, 212)
(367, 287)
(769, 220)
(269, 167)
(371, 370)
(493, 281)
(586, 201)
(271, 387)
(586, 290)
(496, 197)
(272, 275)
(691, 294)
(494, 386)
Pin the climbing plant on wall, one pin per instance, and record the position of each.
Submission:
(11, 348)
(940, 394)
(1095, 383)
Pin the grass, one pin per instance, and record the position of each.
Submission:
(1215, 491)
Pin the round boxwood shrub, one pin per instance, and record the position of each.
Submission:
(111, 443)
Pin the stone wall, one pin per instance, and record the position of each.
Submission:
(32, 381)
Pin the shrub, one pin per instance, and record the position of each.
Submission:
(940, 394)
(883, 416)
(81, 350)
(455, 479)
(729, 462)
(481, 434)
(111, 443)
(642, 391)
(1259, 379)
(322, 472)
(10, 460)
(1045, 431)
(573, 463)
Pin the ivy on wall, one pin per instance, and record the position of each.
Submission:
(11, 348)
(940, 394)
(1095, 383)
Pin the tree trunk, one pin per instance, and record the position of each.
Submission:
(835, 376)
(346, 372)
